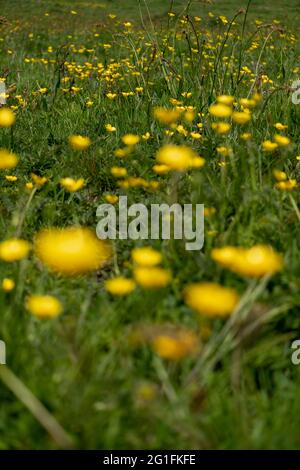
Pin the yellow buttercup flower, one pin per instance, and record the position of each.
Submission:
(241, 117)
(11, 178)
(225, 151)
(130, 139)
(44, 306)
(111, 96)
(181, 130)
(246, 103)
(110, 128)
(281, 140)
(111, 198)
(279, 126)
(210, 299)
(175, 346)
(245, 136)
(195, 135)
(197, 162)
(8, 160)
(279, 175)
(7, 117)
(177, 157)
(161, 169)
(39, 180)
(226, 255)
(252, 262)
(146, 256)
(146, 136)
(258, 261)
(72, 185)
(152, 277)
(79, 142)
(269, 146)
(71, 250)
(221, 127)
(220, 110)
(208, 211)
(189, 115)
(166, 116)
(225, 99)
(120, 286)
(14, 249)
(8, 284)
(286, 185)
(257, 97)
(123, 152)
(118, 171)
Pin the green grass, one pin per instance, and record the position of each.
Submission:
(86, 366)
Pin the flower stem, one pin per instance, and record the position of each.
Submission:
(44, 417)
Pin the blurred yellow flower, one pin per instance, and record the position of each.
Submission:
(287, 185)
(71, 250)
(14, 249)
(195, 135)
(210, 299)
(225, 99)
(221, 127)
(166, 116)
(220, 110)
(145, 392)
(146, 256)
(7, 117)
(246, 103)
(269, 146)
(11, 178)
(279, 175)
(119, 285)
(279, 126)
(8, 160)
(79, 142)
(72, 185)
(152, 277)
(223, 150)
(226, 255)
(175, 346)
(257, 97)
(197, 162)
(252, 262)
(146, 136)
(241, 117)
(39, 180)
(208, 211)
(130, 139)
(178, 157)
(111, 96)
(111, 198)
(44, 306)
(8, 284)
(122, 152)
(161, 169)
(110, 128)
(189, 115)
(281, 140)
(118, 171)
(245, 136)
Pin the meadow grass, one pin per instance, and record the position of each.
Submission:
(71, 69)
